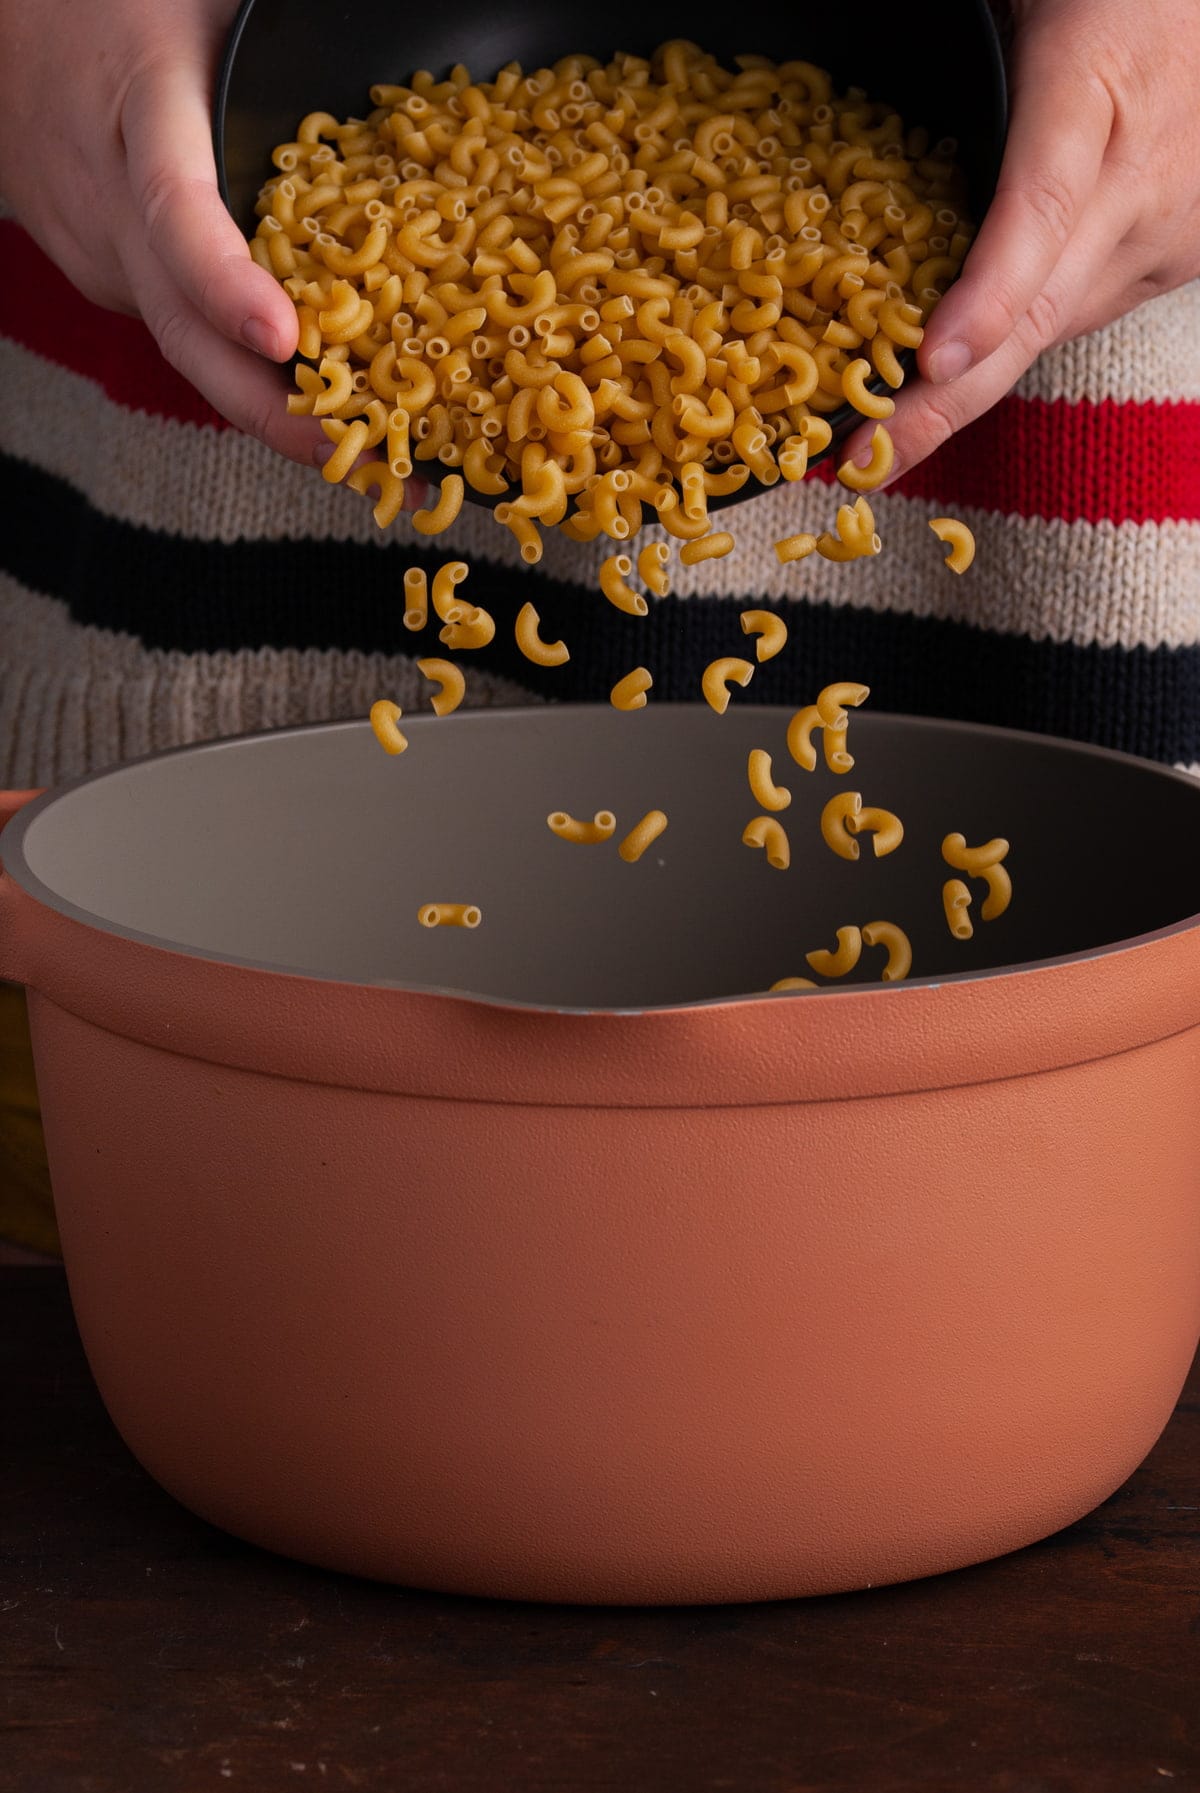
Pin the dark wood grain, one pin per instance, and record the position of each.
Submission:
(140, 1649)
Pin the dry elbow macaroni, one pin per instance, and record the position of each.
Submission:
(657, 268)
(606, 294)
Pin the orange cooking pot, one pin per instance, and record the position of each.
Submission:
(556, 1259)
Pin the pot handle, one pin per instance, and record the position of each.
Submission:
(10, 803)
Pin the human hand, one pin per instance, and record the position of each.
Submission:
(1097, 206)
(106, 152)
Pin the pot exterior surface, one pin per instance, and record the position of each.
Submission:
(625, 1354)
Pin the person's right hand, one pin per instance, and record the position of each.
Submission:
(106, 159)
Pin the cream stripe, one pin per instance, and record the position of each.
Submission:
(74, 699)
(1116, 585)
(1150, 354)
(216, 485)
(1124, 585)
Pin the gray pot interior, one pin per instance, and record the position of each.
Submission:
(311, 850)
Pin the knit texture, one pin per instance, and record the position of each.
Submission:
(165, 580)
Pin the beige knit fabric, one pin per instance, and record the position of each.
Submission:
(75, 698)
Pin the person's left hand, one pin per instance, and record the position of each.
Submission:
(1097, 207)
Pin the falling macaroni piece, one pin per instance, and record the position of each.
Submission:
(873, 473)
(956, 901)
(855, 524)
(629, 693)
(542, 653)
(449, 915)
(833, 698)
(384, 717)
(450, 677)
(467, 627)
(899, 949)
(706, 547)
(444, 512)
(641, 835)
(717, 677)
(770, 628)
(839, 962)
(886, 830)
(793, 983)
(614, 583)
(999, 892)
(795, 547)
(835, 721)
(416, 592)
(799, 736)
(652, 568)
(450, 574)
(766, 832)
(526, 531)
(766, 793)
(570, 828)
(972, 860)
(962, 542)
(835, 819)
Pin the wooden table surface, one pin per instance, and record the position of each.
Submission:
(141, 1649)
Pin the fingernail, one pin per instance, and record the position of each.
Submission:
(949, 362)
(324, 451)
(260, 336)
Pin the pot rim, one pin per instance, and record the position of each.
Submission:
(14, 865)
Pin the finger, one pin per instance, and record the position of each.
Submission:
(1061, 122)
(172, 175)
(237, 383)
(927, 415)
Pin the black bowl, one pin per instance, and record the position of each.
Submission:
(284, 58)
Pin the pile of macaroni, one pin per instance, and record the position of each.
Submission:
(606, 291)
(599, 295)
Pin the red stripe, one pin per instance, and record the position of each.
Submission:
(1115, 461)
(40, 309)
(1076, 461)
(1086, 460)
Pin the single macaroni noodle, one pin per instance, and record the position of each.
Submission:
(960, 538)
(641, 835)
(450, 678)
(416, 593)
(629, 693)
(568, 827)
(719, 675)
(874, 471)
(956, 901)
(767, 832)
(652, 562)
(771, 630)
(843, 959)
(542, 653)
(766, 793)
(449, 915)
(886, 830)
(444, 512)
(835, 819)
(384, 717)
(614, 583)
(899, 948)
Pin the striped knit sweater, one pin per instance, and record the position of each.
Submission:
(164, 579)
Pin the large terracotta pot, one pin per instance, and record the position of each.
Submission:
(555, 1260)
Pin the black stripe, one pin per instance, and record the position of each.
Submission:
(207, 597)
